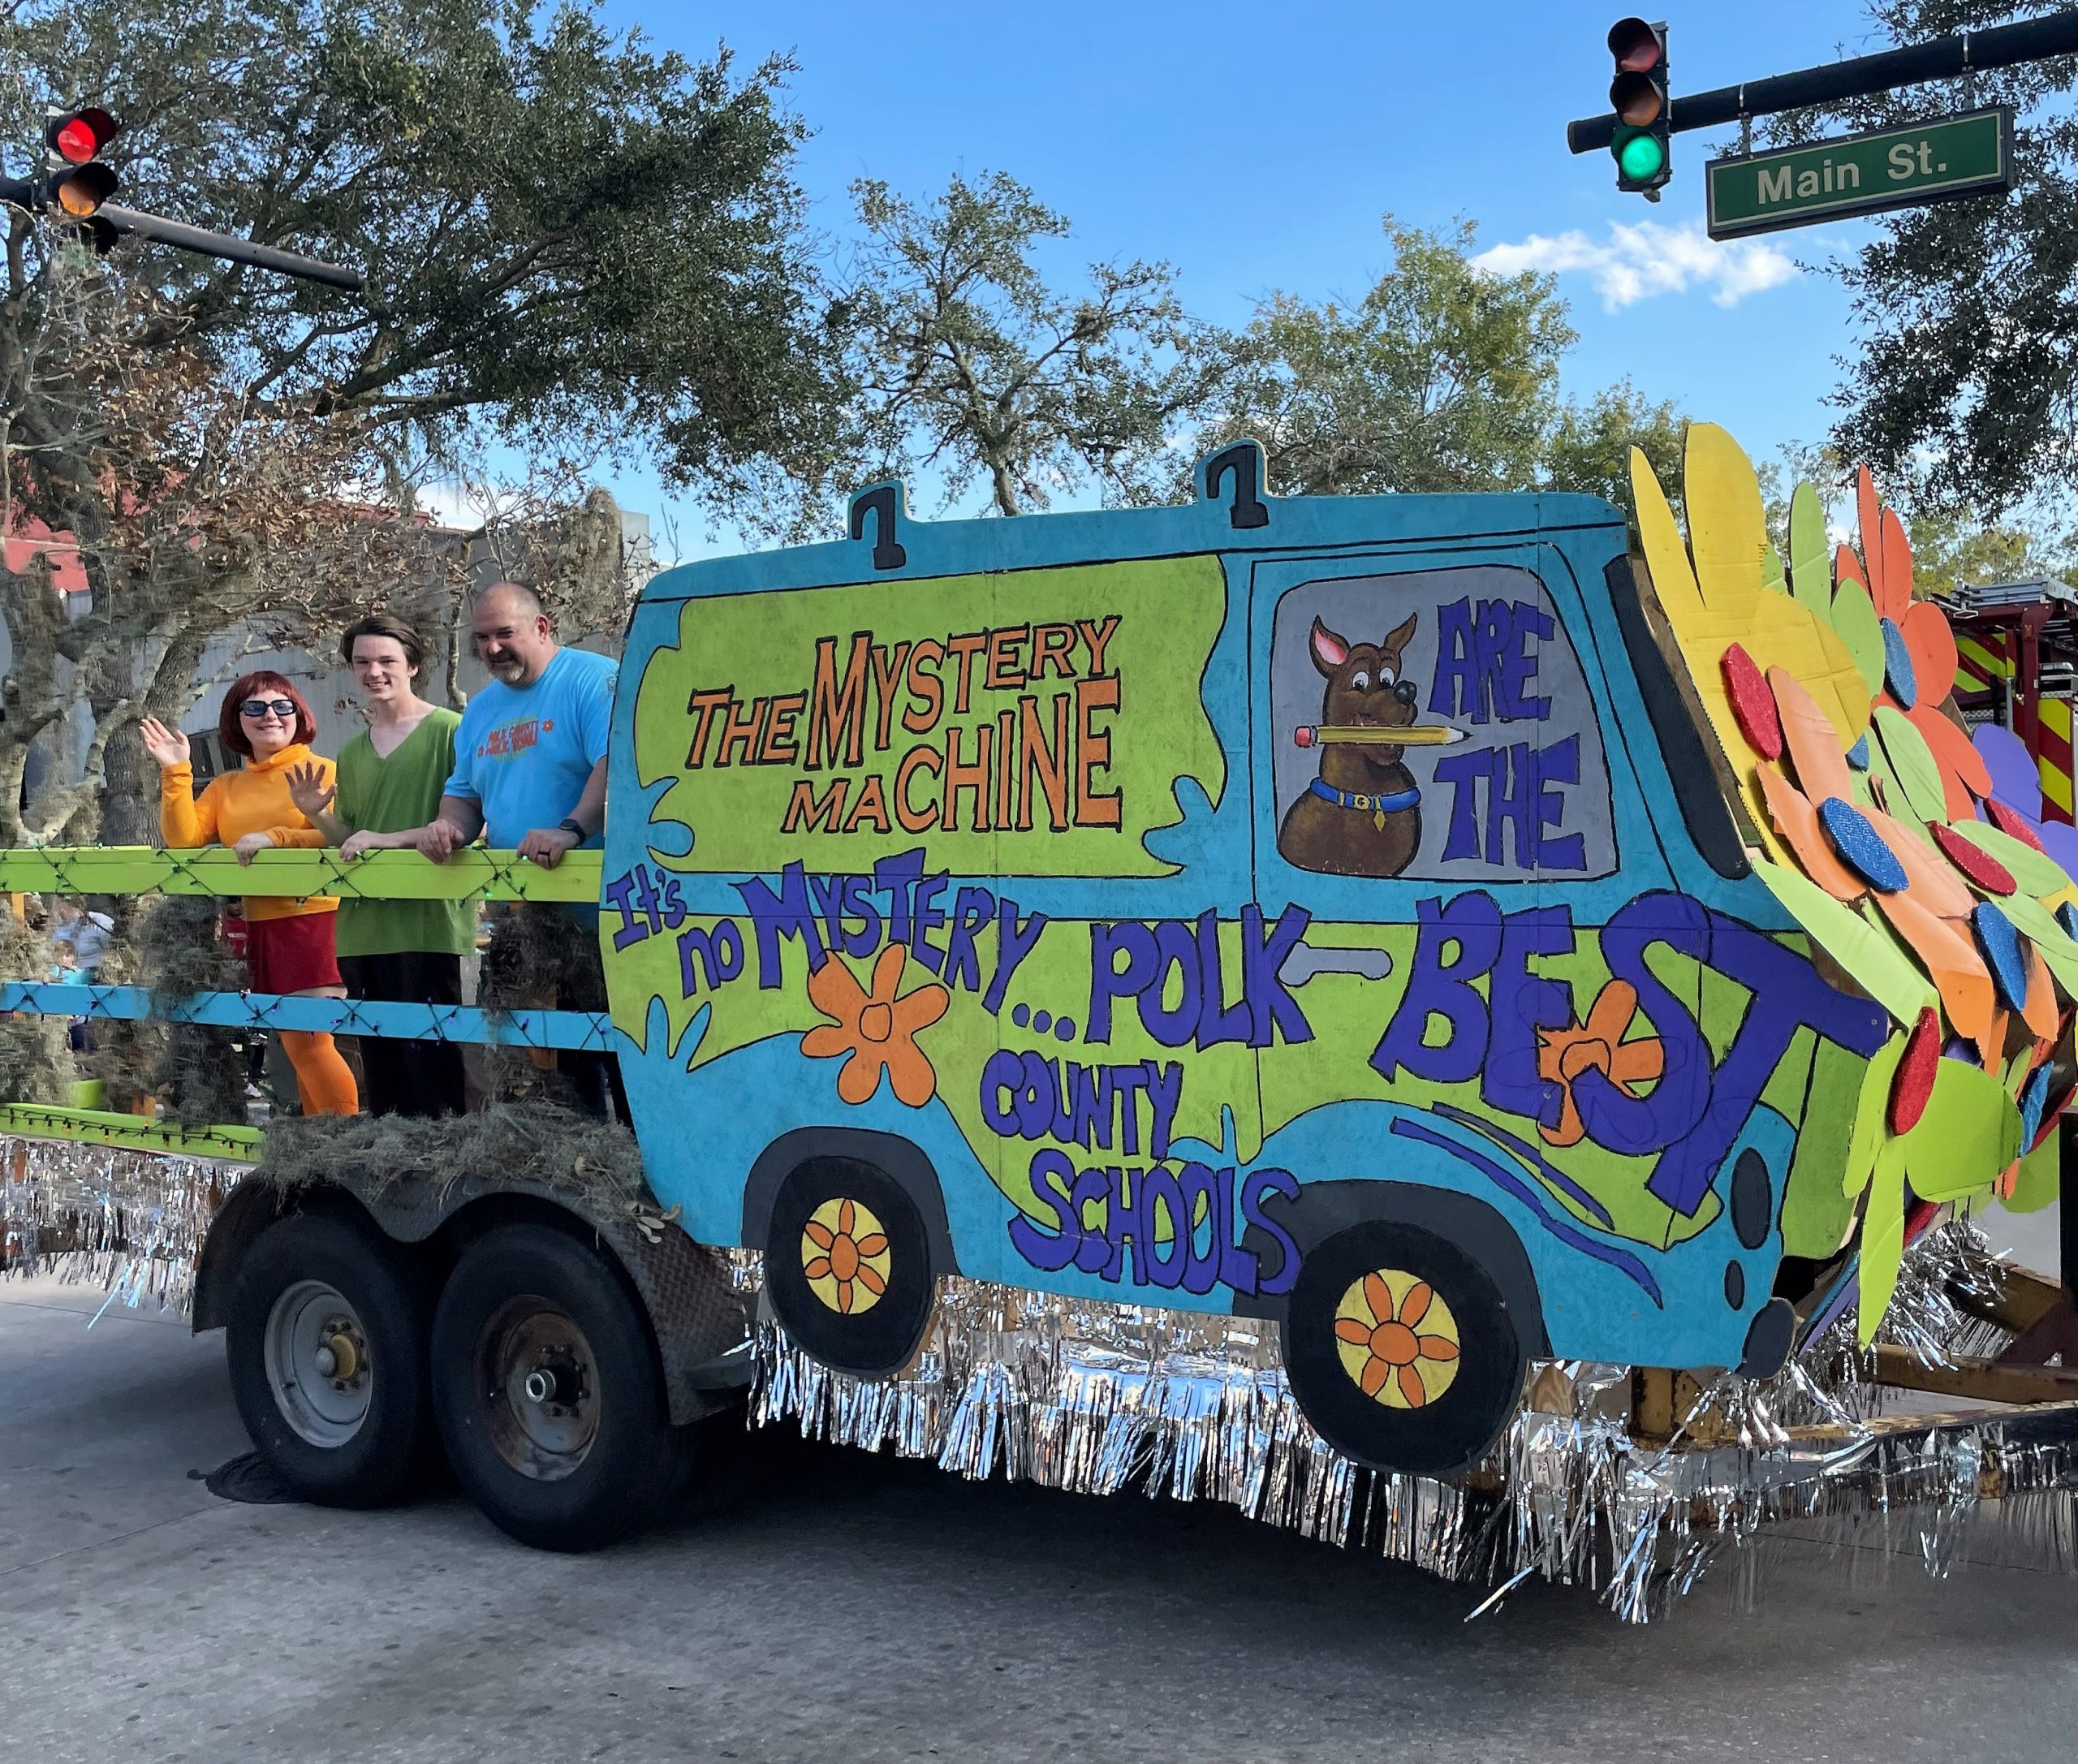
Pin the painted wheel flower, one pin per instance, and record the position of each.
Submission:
(845, 1257)
(1397, 1339)
(876, 1032)
(1596, 1045)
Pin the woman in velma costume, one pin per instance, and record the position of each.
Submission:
(288, 946)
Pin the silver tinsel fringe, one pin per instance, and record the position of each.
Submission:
(1105, 1399)
(1101, 1398)
(1097, 1399)
(130, 1222)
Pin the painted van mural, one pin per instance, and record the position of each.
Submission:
(1398, 919)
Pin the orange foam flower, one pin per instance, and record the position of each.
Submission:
(1596, 1045)
(877, 1031)
(1390, 1341)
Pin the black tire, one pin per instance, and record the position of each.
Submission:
(1341, 1384)
(314, 1284)
(586, 1455)
(841, 1322)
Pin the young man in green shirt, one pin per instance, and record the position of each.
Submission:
(390, 779)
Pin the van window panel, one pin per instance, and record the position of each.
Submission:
(1481, 651)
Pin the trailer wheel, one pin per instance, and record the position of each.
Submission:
(326, 1339)
(848, 1265)
(549, 1393)
(1400, 1349)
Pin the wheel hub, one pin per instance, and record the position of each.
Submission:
(318, 1366)
(339, 1356)
(554, 1385)
(542, 1384)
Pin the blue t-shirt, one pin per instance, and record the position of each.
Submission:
(524, 753)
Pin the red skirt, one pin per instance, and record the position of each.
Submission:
(291, 955)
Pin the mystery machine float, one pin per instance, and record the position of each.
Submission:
(1318, 910)
(1404, 934)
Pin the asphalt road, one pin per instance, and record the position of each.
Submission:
(840, 1607)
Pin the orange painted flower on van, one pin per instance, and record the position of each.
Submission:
(1397, 1338)
(875, 1031)
(1596, 1045)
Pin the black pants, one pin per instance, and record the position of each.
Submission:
(595, 1077)
(417, 1078)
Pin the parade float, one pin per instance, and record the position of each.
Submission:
(1398, 1014)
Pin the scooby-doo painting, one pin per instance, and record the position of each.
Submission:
(1362, 815)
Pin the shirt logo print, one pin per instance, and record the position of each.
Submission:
(513, 738)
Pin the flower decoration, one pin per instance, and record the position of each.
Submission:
(877, 1031)
(1596, 1045)
(845, 1256)
(1397, 1338)
(1916, 858)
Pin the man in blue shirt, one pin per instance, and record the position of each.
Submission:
(530, 769)
(530, 756)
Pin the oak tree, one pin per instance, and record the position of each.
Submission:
(974, 367)
(1962, 387)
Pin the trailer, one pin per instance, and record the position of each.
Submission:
(1392, 1012)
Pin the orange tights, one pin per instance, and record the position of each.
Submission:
(323, 1080)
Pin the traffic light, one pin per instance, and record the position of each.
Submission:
(76, 182)
(1639, 96)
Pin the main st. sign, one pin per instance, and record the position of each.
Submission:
(1887, 168)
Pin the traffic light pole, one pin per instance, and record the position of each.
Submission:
(183, 237)
(21, 192)
(1947, 57)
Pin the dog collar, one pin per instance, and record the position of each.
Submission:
(1369, 803)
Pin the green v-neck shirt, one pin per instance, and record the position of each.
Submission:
(379, 795)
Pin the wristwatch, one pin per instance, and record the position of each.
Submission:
(570, 824)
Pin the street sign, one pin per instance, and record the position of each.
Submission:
(1887, 168)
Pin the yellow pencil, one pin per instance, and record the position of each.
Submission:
(1415, 734)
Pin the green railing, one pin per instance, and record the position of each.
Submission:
(471, 874)
(130, 1132)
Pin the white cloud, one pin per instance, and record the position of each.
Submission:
(1643, 259)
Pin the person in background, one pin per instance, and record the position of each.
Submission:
(81, 938)
(530, 763)
(78, 942)
(389, 785)
(288, 946)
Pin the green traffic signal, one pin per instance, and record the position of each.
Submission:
(1642, 158)
(1644, 106)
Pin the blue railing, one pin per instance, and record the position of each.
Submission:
(583, 1031)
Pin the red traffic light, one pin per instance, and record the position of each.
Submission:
(1635, 45)
(77, 136)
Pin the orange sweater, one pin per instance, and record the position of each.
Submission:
(253, 800)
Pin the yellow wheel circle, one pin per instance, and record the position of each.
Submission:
(845, 1256)
(1397, 1338)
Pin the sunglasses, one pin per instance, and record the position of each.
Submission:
(254, 708)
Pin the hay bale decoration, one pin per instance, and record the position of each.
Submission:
(1916, 857)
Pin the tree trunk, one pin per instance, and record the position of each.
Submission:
(457, 699)
(1005, 489)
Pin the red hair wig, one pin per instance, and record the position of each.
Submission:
(230, 725)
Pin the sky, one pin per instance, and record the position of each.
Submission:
(1255, 148)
